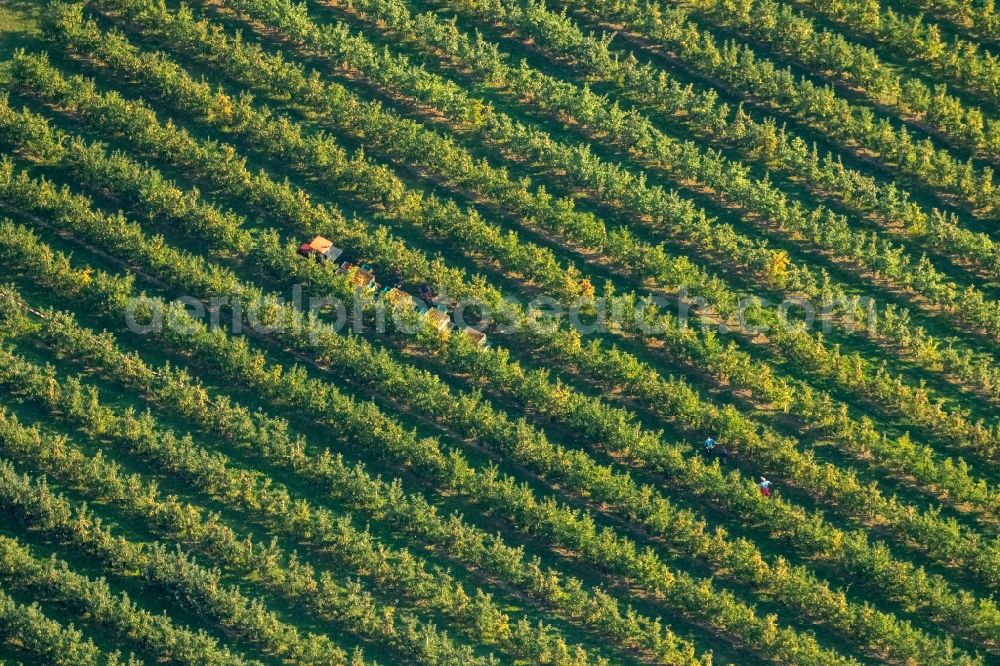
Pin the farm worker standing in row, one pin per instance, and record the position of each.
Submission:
(765, 487)
(709, 448)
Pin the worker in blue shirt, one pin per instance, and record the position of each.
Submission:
(709, 448)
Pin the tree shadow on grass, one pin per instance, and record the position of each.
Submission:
(19, 26)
